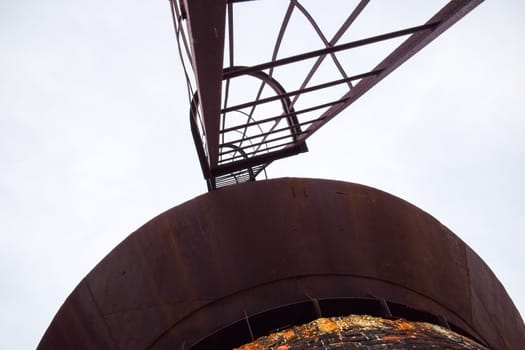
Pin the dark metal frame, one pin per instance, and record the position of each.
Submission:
(201, 37)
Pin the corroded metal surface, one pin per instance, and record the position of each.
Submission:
(363, 332)
(235, 253)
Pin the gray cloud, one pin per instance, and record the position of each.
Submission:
(94, 141)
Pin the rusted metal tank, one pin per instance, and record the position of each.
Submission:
(245, 261)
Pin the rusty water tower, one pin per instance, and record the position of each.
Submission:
(287, 263)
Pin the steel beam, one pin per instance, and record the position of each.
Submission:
(444, 19)
(206, 23)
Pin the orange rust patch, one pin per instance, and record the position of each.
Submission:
(404, 325)
(253, 346)
(288, 334)
(392, 337)
(326, 325)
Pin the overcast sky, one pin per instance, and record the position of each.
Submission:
(95, 141)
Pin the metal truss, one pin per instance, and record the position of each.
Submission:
(245, 115)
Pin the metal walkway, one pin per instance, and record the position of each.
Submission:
(250, 107)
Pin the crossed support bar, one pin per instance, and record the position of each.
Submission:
(248, 154)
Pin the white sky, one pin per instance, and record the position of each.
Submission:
(95, 141)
